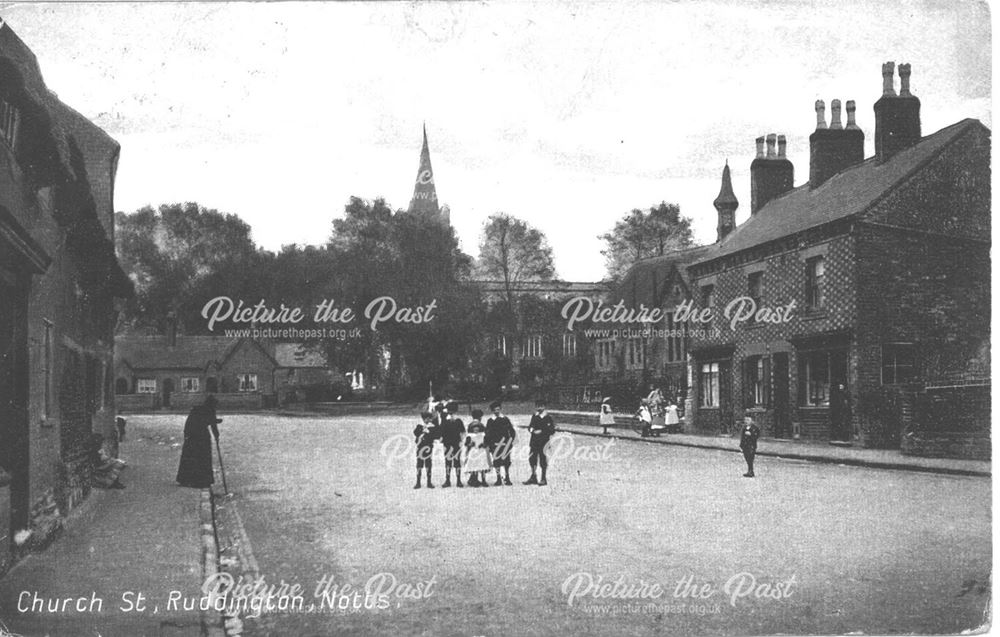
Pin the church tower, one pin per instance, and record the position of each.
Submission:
(425, 201)
(726, 204)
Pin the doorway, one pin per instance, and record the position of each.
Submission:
(779, 389)
(14, 393)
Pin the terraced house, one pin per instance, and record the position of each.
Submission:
(58, 282)
(882, 265)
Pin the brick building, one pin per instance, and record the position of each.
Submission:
(881, 263)
(58, 280)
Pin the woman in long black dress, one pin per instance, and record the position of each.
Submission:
(195, 469)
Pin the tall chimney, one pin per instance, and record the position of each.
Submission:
(172, 329)
(897, 117)
(833, 149)
(726, 205)
(771, 175)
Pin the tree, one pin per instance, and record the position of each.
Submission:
(643, 234)
(513, 252)
(173, 253)
(414, 260)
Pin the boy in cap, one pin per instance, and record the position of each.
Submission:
(452, 436)
(748, 443)
(541, 428)
(500, 441)
(425, 433)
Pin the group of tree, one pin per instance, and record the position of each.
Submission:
(181, 255)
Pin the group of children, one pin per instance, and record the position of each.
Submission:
(473, 451)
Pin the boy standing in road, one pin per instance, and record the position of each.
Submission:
(500, 441)
(541, 429)
(748, 443)
(425, 433)
(452, 436)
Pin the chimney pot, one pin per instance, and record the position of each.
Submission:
(760, 146)
(835, 115)
(904, 80)
(782, 144)
(887, 69)
(771, 138)
(851, 108)
(820, 115)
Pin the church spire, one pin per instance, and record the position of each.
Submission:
(726, 205)
(425, 199)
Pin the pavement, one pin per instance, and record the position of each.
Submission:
(792, 450)
(130, 549)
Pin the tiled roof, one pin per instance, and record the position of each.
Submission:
(644, 282)
(849, 192)
(155, 352)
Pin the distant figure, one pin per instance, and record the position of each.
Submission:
(195, 469)
(645, 418)
(607, 416)
(120, 425)
(670, 418)
(499, 439)
(748, 443)
(105, 469)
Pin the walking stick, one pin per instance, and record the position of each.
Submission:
(222, 467)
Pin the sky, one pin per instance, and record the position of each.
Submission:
(565, 114)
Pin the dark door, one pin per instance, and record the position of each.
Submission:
(726, 397)
(841, 420)
(168, 388)
(779, 389)
(14, 393)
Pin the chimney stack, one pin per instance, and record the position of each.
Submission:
(820, 115)
(835, 115)
(172, 329)
(897, 117)
(833, 149)
(771, 174)
(887, 70)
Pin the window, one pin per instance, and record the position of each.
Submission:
(47, 364)
(708, 383)
(815, 271)
(532, 346)
(675, 340)
(707, 296)
(145, 385)
(247, 382)
(10, 121)
(898, 363)
(756, 381)
(190, 385)
(500, 344)
(635, 353)
(755, 286)
(569, 345)
(818, 370)
(604, 353)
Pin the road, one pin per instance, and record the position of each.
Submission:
(682, 543)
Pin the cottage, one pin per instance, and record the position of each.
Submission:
(58, 281)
